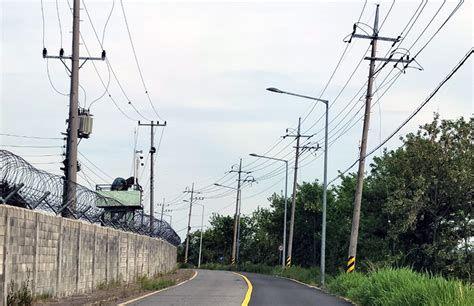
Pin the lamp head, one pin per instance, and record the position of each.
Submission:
(273, 89)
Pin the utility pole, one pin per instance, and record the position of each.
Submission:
(188, 234)
(363, 146)
(236, 240)
(152, 125)
(295, 178)
(70, 163)
(162, 209)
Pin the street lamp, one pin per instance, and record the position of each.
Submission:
(286, 203)
(323, 226)
(200, 242)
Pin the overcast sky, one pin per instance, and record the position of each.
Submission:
(206, 66)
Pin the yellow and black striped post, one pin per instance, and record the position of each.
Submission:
(288, 261)
(233, 261)
(350, 264)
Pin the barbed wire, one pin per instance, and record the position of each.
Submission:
(41, 190)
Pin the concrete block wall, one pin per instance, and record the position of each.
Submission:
(64, 257)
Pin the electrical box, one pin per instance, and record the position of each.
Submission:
(85, 123)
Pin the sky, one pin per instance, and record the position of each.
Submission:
(205, 66)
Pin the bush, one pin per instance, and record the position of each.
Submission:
(389, 286)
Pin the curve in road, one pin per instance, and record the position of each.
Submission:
(276, 291)
(207, 288)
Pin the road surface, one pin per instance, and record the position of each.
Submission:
(208, 288)
(229, 289)
(275, 291)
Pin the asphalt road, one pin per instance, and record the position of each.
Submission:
(275, 291)
(228, 289)
(206, 289)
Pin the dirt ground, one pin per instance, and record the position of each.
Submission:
(114, 294)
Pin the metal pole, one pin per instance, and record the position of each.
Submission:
(200, 242)
(325, 187)
(73, 121)
(236, 219)
(189, 224)
(293, 201)
(363, 148)
(284, 221)
(152, 180)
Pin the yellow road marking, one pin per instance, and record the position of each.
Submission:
(148, 294)
(249, 290)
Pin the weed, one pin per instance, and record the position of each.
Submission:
(21, 296)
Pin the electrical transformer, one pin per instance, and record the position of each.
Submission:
(85, 123)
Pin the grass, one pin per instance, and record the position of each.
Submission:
(389, 286)
(154, 283)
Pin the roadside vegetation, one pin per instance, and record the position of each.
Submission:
(380, 287)
(390, 286)
(417, 212)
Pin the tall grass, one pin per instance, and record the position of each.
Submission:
(389, 286)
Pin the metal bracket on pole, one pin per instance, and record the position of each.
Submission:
(11, 194)
(83, 214)
(43, 197)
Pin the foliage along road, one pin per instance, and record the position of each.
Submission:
(229, 288)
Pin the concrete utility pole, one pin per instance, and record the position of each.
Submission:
(363, 146)
(188, 234)
(73, 122)
(189, 223)
(70, 163)
(237, 217)
(236, 241)
(295, 185)
(152, 125)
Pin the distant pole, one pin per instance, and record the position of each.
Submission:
(293, 200)
(200, 242)
(73, 121)
(236, 219)
(188, 236)
(162, 209)
(152, 178)
(152, 125)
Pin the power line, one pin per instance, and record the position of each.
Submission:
(59, 22)
(136, 60)
(31, 137)
(413, 114)
(28, 146)
(95, 166)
